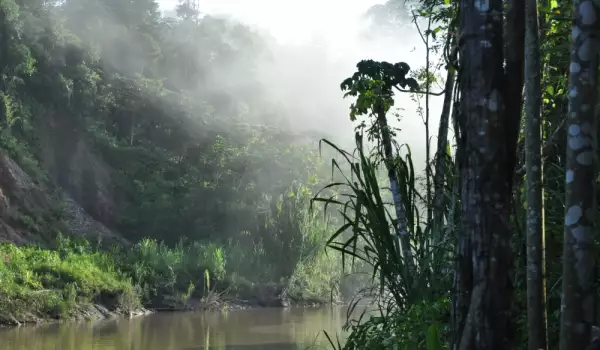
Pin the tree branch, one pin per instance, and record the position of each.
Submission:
(421, 92)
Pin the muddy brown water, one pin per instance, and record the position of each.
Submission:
(251, 329)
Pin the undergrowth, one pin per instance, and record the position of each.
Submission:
(37, 283)
(412, 303)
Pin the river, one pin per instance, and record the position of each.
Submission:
(251, 329)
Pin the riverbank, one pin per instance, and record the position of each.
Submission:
(41, 284)
(76, 281)
(84, 312)
(27, 311)
(97, 312)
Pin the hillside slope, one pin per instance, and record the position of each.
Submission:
(34, 213)
(149, 126)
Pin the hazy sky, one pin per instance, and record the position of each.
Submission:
(290, 21)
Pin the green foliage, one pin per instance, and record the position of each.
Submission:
(40, 283)
(184, 144)
(183, 157)
(363, 206)
(316, 277)
(366, 213)
(163, 271)
(406, 262)
(367, 235)
(424, 326)
(373, 85)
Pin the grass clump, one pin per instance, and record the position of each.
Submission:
(409, 290)
(422, 326)
(173, 275)
(41, 283)
(38, 283)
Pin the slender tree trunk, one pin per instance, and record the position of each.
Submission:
(580, 202)
(401, 223)
(440, 157)
(486, 174)
(441, 165)
(513, 88)
(536, 297)
(463, 274)
(427, 140)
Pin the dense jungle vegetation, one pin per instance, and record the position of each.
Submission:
(208, 186)
(498, 248)
(501, 221)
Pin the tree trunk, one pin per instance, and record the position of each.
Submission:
(440, 157)
(427, 140)
(486, 174)
(536, 296)
(401, 222)
(463, 274)
(580, 202)
(513, 88)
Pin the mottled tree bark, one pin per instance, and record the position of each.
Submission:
(487, 163)
(536, 296)
(580, 178)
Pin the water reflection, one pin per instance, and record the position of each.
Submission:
(278, 346)
(265, 328)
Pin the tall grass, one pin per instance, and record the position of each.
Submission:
(179, 272)
(289, 248)
(407, 299)
(36, 282)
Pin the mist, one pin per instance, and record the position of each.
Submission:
(186, 140)
(313, 46)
